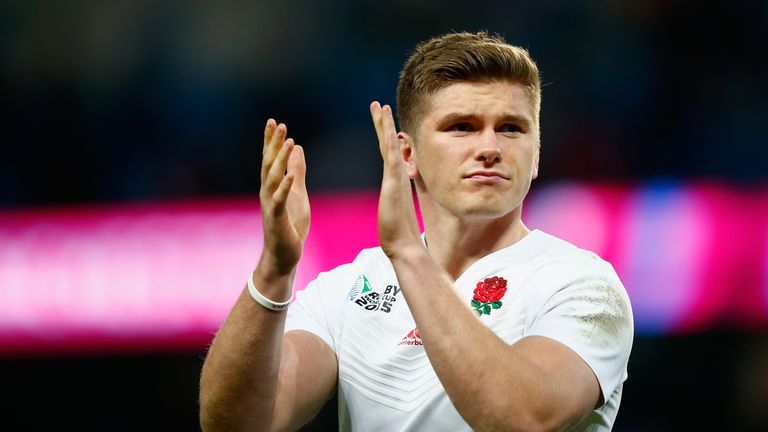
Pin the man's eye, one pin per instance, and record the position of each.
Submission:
(510, 128)
(461, 127)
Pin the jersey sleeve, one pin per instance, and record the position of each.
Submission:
(592, 316)
(318, 308)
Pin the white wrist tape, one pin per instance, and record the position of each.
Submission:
(267, 303)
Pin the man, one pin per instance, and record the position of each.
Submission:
(478, 324)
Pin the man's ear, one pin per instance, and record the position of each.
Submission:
(535, 172)
(408, 154)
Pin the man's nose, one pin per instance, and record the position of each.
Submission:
(489, 151)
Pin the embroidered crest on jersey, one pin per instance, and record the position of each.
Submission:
(487, 295)
(412, 338)
(367, 298)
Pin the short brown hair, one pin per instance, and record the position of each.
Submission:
(456, 57)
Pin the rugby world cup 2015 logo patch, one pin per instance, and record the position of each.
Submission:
(363, 295)
(361, 286)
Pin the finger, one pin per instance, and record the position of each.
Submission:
(389, 146)
(269, 129)
(388, 131)
(376, 117)
(272, 149)
(280, 197)
(277, 171)
(278, 138)
(297, 166)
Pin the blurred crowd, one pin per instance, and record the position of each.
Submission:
(134, 100)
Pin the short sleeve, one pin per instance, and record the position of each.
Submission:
(593, 317)
(318, 308)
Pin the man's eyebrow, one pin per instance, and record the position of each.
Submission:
(456, 116)
(515, 118)
(518, 119)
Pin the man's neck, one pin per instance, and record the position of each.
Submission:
(456, 244)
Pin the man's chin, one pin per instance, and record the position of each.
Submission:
(487, 211)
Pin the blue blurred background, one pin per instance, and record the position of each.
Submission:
(124, 101)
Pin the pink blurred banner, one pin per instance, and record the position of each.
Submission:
(162, 276)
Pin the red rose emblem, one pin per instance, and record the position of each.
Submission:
(491, 289)
(488, 294)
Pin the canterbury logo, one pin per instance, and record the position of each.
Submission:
(412, 338)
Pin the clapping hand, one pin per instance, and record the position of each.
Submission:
(284, 201)
(397, 224)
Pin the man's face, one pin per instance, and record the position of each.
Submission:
(477, 149)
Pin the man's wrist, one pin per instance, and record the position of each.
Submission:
(411, 253)
(271, 283)
(271, 268)
(268, 303)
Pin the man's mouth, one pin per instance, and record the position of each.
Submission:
(487, 177)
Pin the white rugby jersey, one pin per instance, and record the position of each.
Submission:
(386, 381)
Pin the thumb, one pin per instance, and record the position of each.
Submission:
(298, 166)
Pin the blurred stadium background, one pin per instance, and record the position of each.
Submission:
(129, 176)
